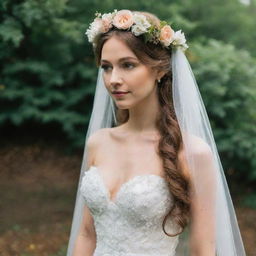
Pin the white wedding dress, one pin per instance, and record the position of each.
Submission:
(130, 225)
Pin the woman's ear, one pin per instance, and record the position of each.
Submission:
(160, 74)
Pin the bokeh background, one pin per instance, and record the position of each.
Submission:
(47, 83)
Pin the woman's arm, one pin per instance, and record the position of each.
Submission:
(86, 240)
(85, 243)
(202, 176)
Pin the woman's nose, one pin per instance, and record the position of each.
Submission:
(115, 77)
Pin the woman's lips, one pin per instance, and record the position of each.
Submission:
(119, 94)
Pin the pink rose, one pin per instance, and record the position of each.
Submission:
(106, 25)
(166, 35)
(102, 25)
(123, 19)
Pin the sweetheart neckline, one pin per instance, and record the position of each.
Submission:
(129, 181)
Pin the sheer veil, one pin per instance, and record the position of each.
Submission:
(208, 180)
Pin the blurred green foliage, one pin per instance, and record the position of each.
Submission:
(227, 83)
(44, 73)
(48, 73)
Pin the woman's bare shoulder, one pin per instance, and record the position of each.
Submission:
(197, 145)
(198, 148)
(98, 137)
(93, 143)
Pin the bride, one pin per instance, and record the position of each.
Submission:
(151, 182)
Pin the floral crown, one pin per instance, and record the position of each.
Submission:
(138, 25)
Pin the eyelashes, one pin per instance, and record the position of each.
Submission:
(105, 67)
(126, 65)
(129, 65)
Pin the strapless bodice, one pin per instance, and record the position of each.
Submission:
(131, 224)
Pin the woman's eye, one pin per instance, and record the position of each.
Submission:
(129, 65)
(125, 65)
(105, 67)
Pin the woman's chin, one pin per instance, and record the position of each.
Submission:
(119, 106)
(122, 105)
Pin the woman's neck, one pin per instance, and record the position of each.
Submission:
(142, 118)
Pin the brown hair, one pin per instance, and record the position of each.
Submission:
(170, 144)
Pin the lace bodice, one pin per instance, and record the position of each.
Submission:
(131, 224)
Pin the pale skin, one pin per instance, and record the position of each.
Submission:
(135, 142)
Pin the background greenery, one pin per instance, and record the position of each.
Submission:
(47, 70)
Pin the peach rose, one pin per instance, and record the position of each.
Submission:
(102, 25)
(106, 25)
(166, 35)
(123, 19)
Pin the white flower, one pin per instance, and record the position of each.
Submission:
(184, 47)
(108, 16)
(179, 38)
(138, 30)
(94, 29)
(141, 24)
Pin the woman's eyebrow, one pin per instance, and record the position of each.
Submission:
(121, 59)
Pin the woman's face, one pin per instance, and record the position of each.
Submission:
(123, 72)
